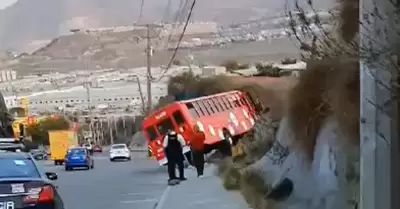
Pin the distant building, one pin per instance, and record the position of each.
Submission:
(8, 75)
(213, 71)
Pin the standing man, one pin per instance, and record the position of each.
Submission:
(173, 143)
(227, 143)
(197, 146)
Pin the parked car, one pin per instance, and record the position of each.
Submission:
(39, 154)
(78, 157)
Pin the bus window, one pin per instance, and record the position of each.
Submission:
(192, 111)
(198, 109)
(237, 103)
(211, 106)
(208, 107)
(214, 105)
(203, 108)
(164, 126)
(227, 103)
(244, 101)
(178, 117)
(151, 132)
(217, 104)
(222, 104)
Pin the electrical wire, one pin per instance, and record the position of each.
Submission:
(179, 41)
(179, 13)
(140, 13)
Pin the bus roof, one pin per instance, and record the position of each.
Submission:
(209, 96)
(174, 105)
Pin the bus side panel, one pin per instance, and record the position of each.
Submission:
(189, 120)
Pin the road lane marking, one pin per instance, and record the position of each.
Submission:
(141, 193)
(163, 198)
(136, 201)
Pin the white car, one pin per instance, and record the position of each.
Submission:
(120, 151)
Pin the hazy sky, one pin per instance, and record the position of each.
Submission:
(6, 3)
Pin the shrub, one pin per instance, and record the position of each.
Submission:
(231, 65)
(177, 62)
(267, 70)
(288, 61)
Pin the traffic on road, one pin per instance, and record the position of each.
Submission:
(27, 183)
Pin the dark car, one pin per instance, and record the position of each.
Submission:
(97, 148)
(24, 185)
(39, 154)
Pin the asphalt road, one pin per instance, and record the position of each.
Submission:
(139, 183)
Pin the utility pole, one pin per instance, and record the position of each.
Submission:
(115, 119)
(101, 132)
(87, 87)
(110, 130)
(149, 52)
(123, 124)
(144, 109)
(379, 146)
(189, 59)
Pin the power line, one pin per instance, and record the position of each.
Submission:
(179, 12)
(140, 12)
(179, 40)
(177, 19)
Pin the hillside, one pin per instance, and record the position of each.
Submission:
(28, 20)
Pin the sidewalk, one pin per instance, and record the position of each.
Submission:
(202, 193)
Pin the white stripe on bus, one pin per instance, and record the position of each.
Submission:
(200, 125)
(244, 125)
(231, 130)
(212, 130)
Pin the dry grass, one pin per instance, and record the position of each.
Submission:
(345, 100)
(328, 88)
(236, 173)
(349, 19)
(254, 189)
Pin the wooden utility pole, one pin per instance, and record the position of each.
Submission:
(149, 52)
(110, 130)
(89, 101)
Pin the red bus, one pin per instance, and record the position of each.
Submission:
(233, 110)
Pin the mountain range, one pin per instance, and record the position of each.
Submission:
(29, 20)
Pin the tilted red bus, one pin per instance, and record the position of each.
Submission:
(233, 110)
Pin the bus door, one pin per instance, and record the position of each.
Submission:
(181, 124)
(152, 136)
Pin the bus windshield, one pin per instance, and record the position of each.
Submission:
(164, 126)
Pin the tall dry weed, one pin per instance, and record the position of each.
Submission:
(307, 106)
(254, 189)
(345, 100)
(349, 19)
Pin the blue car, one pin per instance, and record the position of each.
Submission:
(78, 158)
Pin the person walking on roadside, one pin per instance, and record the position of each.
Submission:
(173, 143)
(197, 146)
(227, 143)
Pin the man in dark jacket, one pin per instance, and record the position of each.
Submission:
(226, 143)
(173, 143)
